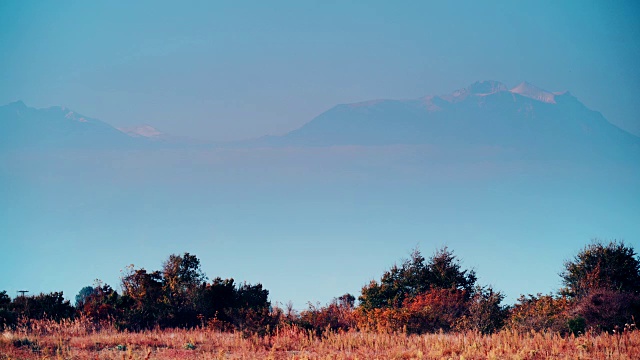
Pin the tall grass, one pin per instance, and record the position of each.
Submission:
(80, 339)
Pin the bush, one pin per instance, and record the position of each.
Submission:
(577, 325)
(540, 313)
(337, 316)
(8, 319)
(485, 314)
(435, 310)
(606, 310)
(431, 311)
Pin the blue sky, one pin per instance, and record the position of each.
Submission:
(313, 229)
(231, 70)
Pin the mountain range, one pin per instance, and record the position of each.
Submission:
(483, 114)
(486, 113)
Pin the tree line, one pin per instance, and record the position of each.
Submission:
(601, 292)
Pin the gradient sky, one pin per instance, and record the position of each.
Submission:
(238, 69)
(308, 226)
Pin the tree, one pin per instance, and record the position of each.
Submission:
(613, 266)
(4, 298)
(414, 277)
(143, 287)
(252, 297)
(181, 275)
(8, 318)
(182, 280)
(446, 272)
(346, 301)
(146, 293)
(216, 299)
(82, 295)
(43, 306)
(103, 304)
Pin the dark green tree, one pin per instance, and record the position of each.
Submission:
(612, 266)
(252, 297)
(414, 276)
(82, 295)
(4, 298)
(8, 318)
(216, 299)
(182, 280)
(445, 272)
(43, 306)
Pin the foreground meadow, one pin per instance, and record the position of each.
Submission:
(423, 309)
(68, 341)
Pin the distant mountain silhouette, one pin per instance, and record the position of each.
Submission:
(525, 119)
(25, 127)
(484, 114)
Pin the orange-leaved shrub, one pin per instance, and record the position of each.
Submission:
(419, 297)
(337, 316)
(540, 313)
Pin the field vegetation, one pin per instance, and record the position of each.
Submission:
(421, 309)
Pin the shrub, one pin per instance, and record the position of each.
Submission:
(384, 320)
(540, 313)
(337, 316)
(577, 325)
(435, 310)
(103, 304)
(485, 314)
(606, 310)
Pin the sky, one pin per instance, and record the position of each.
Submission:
(308, 224)
(233, 70)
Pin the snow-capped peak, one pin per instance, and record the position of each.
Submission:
(144, 130)
(479, 88)
(531, 91)
(486, 87)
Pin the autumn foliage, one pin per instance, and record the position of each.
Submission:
(601, 293)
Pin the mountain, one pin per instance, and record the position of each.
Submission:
(524, 120)
(56, 127)
(485, 113)
(24, 127)
(145, 131)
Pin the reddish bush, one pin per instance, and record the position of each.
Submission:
(337, 316)
(606, 310)
(436, 309)
(431, 311)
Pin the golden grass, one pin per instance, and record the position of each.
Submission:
(75, 341)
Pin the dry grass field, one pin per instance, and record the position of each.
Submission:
(75, 340)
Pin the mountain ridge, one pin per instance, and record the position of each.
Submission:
(485, 113)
